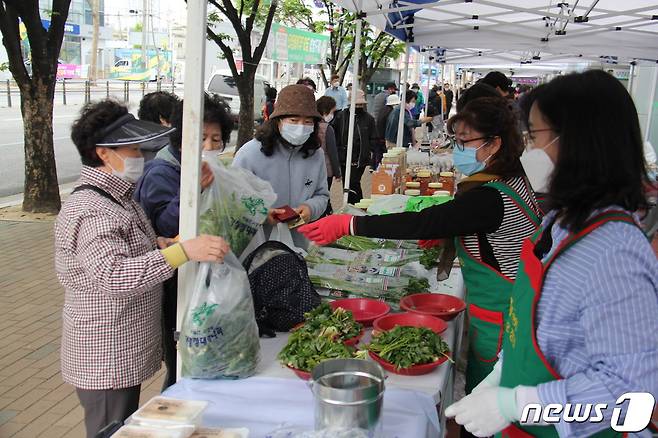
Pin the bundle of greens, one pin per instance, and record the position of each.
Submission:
(408, 346)
(369, 258)
(306, 349)
(430, 257)
(339, 323)
(227, 218)
(359, 243)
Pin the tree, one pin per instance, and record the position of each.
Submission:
(243, 24)
(37, 90)
(374, 51)
(93, 63)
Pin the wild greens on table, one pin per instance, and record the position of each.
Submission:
(325, 321)
(407, 346)
(306, 349)
(359, 243)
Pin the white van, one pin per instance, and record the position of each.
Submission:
(223, 84)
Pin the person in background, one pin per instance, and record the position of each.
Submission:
(327, 108)
(365, 139)
(392, 102)
(499, 81)
(474, 92)
(494, 210)
(380, 123)
(379, 103)
(310, 83)
(268, 107)
(409, 123)
(349, 88)
(158, 193)
(420, 102)
(156, 107)
(285, 153)
(112, 265)
(450, 97)
(338, 93)
(581, 327)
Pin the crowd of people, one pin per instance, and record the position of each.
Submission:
(562, 284)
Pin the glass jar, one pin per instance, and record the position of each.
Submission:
(424, 177)
(434, 187)
(448, 181)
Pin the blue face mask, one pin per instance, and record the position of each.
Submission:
(466, 161)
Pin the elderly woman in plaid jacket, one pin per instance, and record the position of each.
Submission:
(112, 267)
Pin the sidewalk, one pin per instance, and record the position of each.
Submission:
(34, 401)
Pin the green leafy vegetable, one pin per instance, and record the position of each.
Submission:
(417, 286)
(430, 257)
(306, 349)
(359, 243)
(227, 219)
(408, 346)
(339, 322)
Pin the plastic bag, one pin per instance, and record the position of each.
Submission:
(235, 206)
(219, 335)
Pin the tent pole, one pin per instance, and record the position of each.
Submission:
(403, 92)
(190, 186)
(631, 77)
(654, 84)
(429, 79)
(355, 88)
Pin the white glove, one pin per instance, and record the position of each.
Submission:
(492, 379)
(487, 411)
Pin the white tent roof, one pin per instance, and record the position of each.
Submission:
(521, 29)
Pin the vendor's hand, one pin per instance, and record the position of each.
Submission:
(304, 211)
(426, 119)
(165, 242)
(429, 244)
(486, 412)
(206, 248)
(272, 214)
(492, 379)
(207, 177)
(328, 229)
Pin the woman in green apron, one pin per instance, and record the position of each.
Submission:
(582, 324)
(493, 211)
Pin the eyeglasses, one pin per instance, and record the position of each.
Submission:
(460, 146)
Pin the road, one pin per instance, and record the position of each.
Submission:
(12, 166)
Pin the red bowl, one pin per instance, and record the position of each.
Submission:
(414, 370)
(364, 310)
(304, 375)
(410, 319)
(442, 306)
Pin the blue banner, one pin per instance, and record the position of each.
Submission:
(69, 28)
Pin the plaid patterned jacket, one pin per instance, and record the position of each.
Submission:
(106, 258)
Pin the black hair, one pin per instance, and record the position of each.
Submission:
(271, 93)
(307, 81)
(409, 95)
(86, 131)
(215, 110)
(497, 79)
(156, 106)
(268, 135)
(325, 104)
(525, 102)
(600, 160)
(474, 92)
(390, 85)
(493, 117)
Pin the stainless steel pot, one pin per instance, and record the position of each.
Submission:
(349, 393)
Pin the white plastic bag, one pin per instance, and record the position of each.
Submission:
(235, 206)
(219, 335)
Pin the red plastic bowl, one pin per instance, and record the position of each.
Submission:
(410, 319)
(414, 370)
(304, 375)
(442, 306)
(364, 310)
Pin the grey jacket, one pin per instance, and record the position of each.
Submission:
(379, 103)
(296, 180)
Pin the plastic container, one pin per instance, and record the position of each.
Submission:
(362, 206)
(412, 192)
(164, 411)
(206, 432)
(414, 370)
(448, 181)
(139, 431)
(441, 193)
(442, 306)
(364, 310)
(304, 375)
(410, 319)
(413, 185)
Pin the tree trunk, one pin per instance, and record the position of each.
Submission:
(246, 120)
(41, 190)
(93, 62)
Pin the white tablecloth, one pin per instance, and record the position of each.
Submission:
(275, 396)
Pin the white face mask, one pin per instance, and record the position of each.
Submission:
(411, 105)
(538, 167)
(296, 134)
(133, 168)
(329, 117)
(210, 155)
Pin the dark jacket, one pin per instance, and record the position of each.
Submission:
(158, 192)
(382, 119)
(365, 136)
(392, 127)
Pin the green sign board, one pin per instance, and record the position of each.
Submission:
(294, 45)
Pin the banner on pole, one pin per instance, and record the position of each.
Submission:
(293, 45)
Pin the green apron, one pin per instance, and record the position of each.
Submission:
(524, 363)
(487, 296)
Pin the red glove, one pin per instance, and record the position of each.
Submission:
(328, 229)
(428, 244)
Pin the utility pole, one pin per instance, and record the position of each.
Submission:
(93, 63)
(145, 62)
